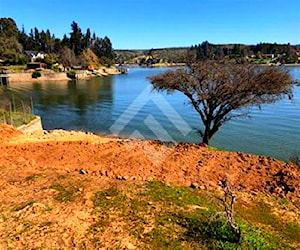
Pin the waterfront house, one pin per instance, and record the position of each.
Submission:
(268, 56)
(34, 55)
(36, 65)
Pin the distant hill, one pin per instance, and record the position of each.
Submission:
(262, 53)
(163, 55)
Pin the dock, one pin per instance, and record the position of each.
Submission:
(123, 69)
(4, 79)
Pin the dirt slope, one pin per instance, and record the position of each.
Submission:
(146, 160)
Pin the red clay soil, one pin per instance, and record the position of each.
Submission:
(8, 132)
(181, 164)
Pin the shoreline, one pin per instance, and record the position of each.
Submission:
(62, 76)
(167, 65)
(157, 65)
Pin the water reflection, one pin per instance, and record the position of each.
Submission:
(68, 105)
(94, 105)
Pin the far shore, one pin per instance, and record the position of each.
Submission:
(167, 65)
(62, 76)
(157, 65)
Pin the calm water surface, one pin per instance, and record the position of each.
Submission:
(95, 105)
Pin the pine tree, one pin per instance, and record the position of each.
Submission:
(76, 38)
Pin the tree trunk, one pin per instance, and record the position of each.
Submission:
(209, 132)
(206, 136)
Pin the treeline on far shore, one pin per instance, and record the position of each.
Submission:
(87, 50)
(17, 47)
(262, 53)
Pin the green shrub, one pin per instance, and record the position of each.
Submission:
(36, 74)
(71, 74)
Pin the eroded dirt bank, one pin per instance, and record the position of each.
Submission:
(183, 164)
(72, 190)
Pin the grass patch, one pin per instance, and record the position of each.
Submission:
(163, 217)
(179, 196)
(97, 242)
(32, 178)
(100, 225)
(198, 231)
(45, 224)
(160, 239)
(15, 68)
(260, 213)
(64, 194)
(15, 118)
(293, 230)
(217, 149)
(105, 202)
(26, 227)
(24, 205)
(109, 199)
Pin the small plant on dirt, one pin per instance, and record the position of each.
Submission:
(36, 74)
(24, 205)
(228, 213)
(65, 194)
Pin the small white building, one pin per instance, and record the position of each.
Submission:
(35, 55)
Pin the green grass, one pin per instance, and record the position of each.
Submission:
(108, 199)
(65, 194)
(14, 68)
(179, 196)
(15, 118)
(217, 149)
(177, 219)
(260, 213)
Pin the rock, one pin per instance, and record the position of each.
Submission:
(130, 246)
(196, 207)
(194, 185)
(81, 171)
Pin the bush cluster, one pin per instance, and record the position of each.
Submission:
(36, 74)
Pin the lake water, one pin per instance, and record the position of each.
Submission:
(124, 105)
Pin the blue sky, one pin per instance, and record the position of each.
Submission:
(164, 23)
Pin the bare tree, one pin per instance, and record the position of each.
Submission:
(66, 57)
(216, 89)
(228, 202)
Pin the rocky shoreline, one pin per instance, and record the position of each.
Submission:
(53, 76)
